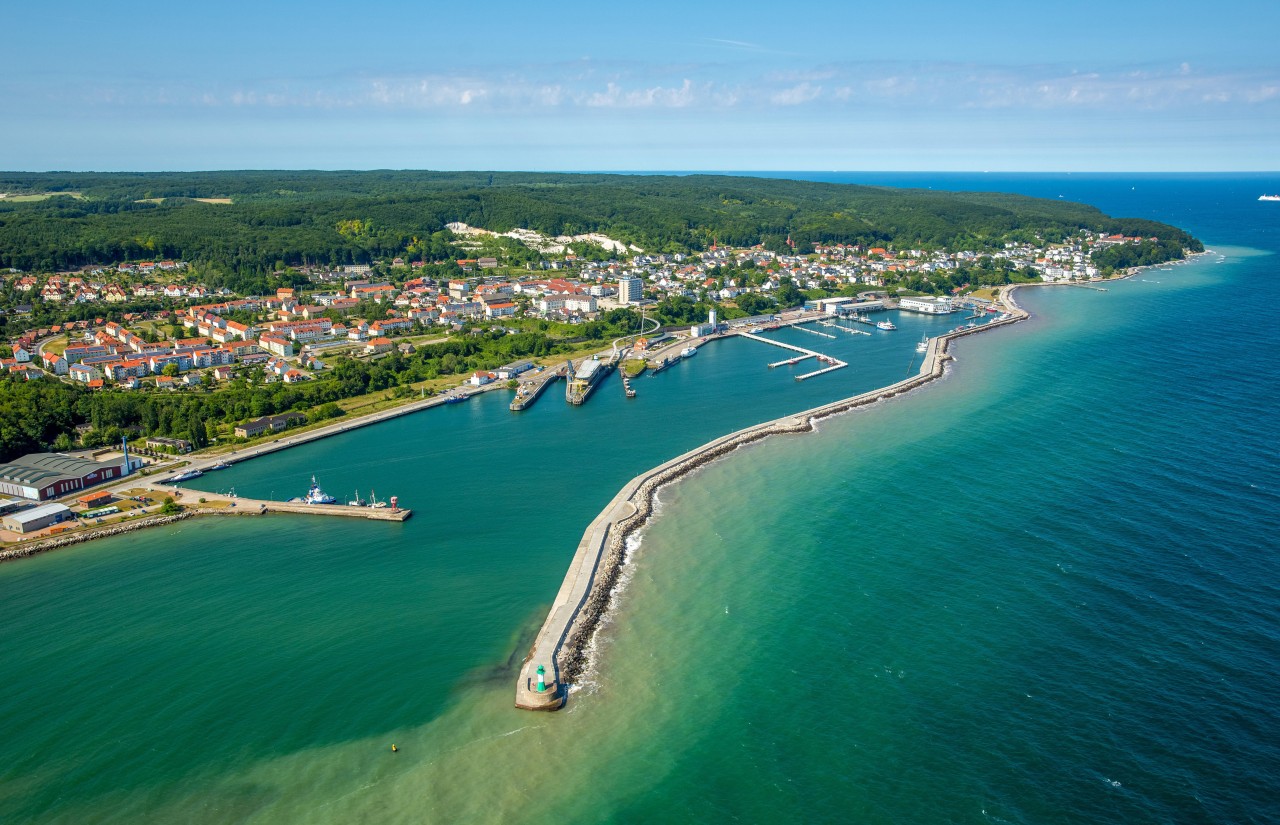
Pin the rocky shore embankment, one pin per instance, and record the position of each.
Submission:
(26, 550)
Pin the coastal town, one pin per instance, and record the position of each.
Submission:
(204, 339)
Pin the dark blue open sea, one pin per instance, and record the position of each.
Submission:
(1042, 590)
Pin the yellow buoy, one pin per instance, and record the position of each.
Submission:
(394, 749)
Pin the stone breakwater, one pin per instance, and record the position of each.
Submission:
(26, 550)
(586, 596)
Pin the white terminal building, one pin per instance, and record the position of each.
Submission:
(927, 304)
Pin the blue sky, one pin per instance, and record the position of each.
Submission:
(1082, 86)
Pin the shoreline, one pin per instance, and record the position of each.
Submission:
(563, 644)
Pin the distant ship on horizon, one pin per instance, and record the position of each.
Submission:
(1269, 197)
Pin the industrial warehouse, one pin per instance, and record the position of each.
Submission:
(42, 476)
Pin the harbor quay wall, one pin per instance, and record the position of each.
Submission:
(562, 646)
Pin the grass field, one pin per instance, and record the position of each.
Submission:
(39, 197)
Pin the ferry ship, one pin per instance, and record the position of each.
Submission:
(317, 496)
(187, 476)
(688, 352)
(885, 325)
(1269, 197)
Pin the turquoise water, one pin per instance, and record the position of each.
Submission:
(1040, 590)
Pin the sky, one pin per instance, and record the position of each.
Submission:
(805, 85)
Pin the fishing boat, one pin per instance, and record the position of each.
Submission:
(357, 501)
(455, 399)
(221, 465)
(373, 501)
(317, 496)
(885, 325)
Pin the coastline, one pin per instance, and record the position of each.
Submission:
(585, 597)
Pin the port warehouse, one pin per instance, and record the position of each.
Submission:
(843, 306)
(41, 476)
(928, 304)
(37, 518)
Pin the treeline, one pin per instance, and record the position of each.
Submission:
(1146, 253)
(332, 218)
(43, 415)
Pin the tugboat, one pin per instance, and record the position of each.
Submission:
(317, 496)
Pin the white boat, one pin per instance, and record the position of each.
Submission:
(923, 346)
(187, 476)
(1269, 197)
(221, 465)
(688, 352)
(317, 496)
(885, 325)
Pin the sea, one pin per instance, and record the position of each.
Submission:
(1043, 589)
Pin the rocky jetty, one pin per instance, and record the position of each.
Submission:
(23, 551)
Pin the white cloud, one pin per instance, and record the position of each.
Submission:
(597, 85)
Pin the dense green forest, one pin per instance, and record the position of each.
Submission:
(290, 218)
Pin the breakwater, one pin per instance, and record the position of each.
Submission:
(563, 643)
(23, 551)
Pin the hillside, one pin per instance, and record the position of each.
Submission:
(281, 218)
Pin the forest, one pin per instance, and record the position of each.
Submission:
(278, 219)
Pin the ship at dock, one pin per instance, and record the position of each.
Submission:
(317, 496)
(583, 379)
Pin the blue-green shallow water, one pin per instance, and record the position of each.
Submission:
(1043, 589)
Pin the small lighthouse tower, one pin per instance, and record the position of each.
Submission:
(542, 679)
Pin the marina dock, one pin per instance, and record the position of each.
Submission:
(204, 503)
(812, 331)
(842, 328)
(835, 363)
